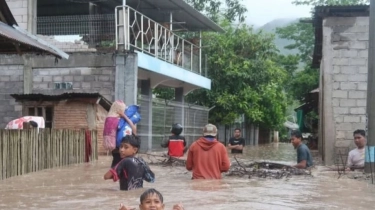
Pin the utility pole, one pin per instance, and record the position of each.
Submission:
(370, 124)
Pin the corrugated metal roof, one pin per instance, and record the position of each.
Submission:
(19, 36)
(14, 39)
(6, 13)
(105, 103)
(322, 12)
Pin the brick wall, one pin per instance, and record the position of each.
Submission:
(19, 11)
(100, 80)
(68, 46)
(346, 42)
(11, 81)
(101, 114)
(73, 115)
(70, 115)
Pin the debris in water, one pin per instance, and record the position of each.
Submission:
(265, 170)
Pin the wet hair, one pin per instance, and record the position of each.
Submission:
(237, 129)
(132, 140)
(297, 134)
(33, 123)
(149, 192)
(360, 132)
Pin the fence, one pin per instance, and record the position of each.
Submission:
(25, 151)
(164, 114)
(98, 31)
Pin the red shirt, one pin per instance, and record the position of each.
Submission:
(176, 145)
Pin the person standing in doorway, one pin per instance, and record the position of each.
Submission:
(236, 143)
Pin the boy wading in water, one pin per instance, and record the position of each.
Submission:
(151, 200)
(131, 171)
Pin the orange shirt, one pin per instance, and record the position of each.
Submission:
(207, 159)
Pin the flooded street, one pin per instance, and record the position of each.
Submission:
(82, 187)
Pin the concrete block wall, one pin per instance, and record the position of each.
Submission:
(72, 46)
(345, 71)
(100, 80)
(19, 11)
(11, 81)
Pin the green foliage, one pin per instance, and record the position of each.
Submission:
(329, 2)
(233, 9)
(164, 93)
(246, 78)
(303, 36)
(303, 82)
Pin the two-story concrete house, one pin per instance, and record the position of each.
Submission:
(118, 51)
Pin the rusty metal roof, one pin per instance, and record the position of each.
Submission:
(322, 12)
(105, 103)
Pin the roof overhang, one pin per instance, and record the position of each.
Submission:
(321, 12)
(185, 17)
(182, 12)
(102, 101)
(14, 39)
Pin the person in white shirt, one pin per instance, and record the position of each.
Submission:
(356, 157)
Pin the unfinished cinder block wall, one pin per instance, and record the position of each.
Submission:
(343, 82)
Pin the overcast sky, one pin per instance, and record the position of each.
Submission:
(261, 12)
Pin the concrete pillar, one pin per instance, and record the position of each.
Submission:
(92, 11)
(179, 115)
(126, 82)
(256, 139)
(31, 16)
(146, 105)
(27, 74)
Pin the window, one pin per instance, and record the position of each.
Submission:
(63, 85)
(45, 112)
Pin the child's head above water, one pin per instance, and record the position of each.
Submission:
(151, 199)
(130, 145)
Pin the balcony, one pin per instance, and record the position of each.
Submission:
(166, 30)
(136, 31)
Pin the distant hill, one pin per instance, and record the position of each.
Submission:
(270, 27)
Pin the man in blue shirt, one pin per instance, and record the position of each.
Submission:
(304, 159)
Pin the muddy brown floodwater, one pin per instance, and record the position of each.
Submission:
(82, 187)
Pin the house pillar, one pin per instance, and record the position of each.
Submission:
(146, 104)
(179, 115)
(31, 16)
(126, 82)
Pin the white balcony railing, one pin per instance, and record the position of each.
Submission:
(135, 30)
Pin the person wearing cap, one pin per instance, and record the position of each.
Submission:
(176, 143)
(131, 170)
(207, 157)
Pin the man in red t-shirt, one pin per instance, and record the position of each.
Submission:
(176, 143)
(207, 157)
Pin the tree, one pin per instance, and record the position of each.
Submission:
(246, 79)
(329, 2)
(233, 9)
(303, 36)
